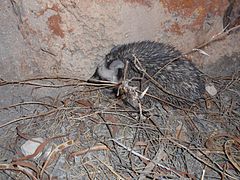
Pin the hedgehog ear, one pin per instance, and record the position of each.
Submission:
(115, 48)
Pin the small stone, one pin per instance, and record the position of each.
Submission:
(29, 147)
(210, 88)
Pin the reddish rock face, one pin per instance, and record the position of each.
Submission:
(54, 25)
(194, 10)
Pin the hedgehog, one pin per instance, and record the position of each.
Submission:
(174, 75)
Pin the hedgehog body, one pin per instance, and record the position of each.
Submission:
(174, 72)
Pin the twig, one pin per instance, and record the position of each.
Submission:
(29, 117)
(140, 68)
(215, 37)
(199, 159)
(27, 103)
(84, 151)
(16, 167)
(111, 169)
(145, 158)
(3, 83)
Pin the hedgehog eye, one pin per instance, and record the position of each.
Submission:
(108, 58)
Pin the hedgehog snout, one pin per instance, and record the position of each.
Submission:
(110, 73)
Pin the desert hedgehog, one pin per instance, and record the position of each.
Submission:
(179, 79)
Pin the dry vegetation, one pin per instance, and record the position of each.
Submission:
(94, 135)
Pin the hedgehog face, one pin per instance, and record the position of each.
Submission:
(111, 72)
